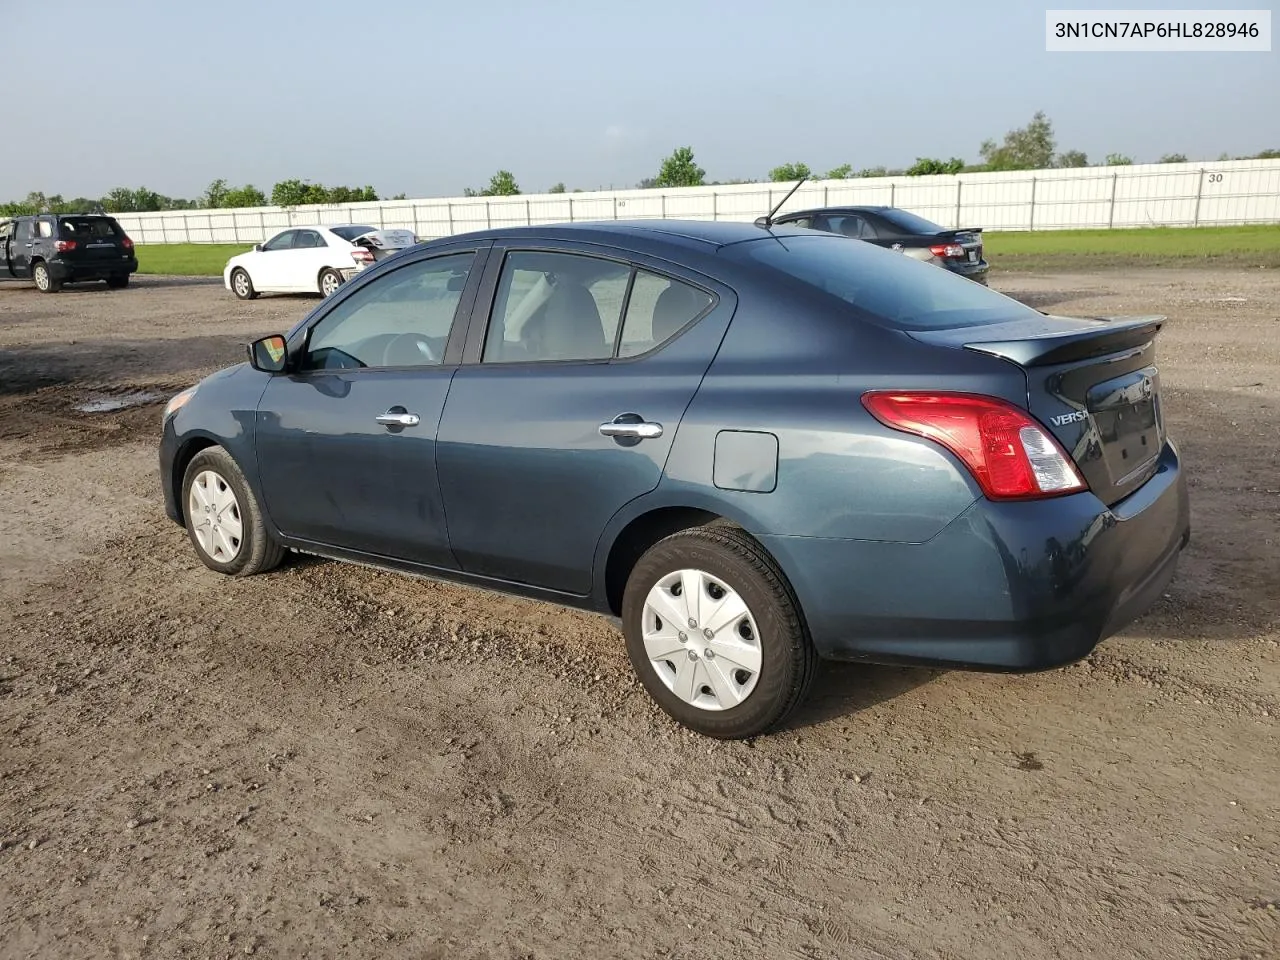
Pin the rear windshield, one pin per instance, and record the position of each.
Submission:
(909, 222)
(903, 293)
(89, 228)
(351, 232)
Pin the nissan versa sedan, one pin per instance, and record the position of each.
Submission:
(755, 447)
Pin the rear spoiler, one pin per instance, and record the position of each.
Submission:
(1052, 339)
(1110, 336)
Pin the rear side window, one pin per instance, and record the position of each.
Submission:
(44, 229)
(89, 228)
(659, 308)
(901, 292)
(555, 306)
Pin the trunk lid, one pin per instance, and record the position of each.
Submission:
(383, 243)
(1093, 383)
(95, 238)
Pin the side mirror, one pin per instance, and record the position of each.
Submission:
(268, 354)
(257, 248)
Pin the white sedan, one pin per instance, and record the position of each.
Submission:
(310, 259)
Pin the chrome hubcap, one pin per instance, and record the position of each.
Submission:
(42, 278)
(701, 640)
(215, 516)
(328, 284)
(242, 284)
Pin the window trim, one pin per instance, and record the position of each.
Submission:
(473, 351)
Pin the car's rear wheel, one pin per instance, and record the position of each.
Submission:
(44, 279)
(118, 282)
(241, 285)
(715, 634)
(223, 518)
(330, 281)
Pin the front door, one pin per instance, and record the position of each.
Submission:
(346, 442)
(268, 268)
(532, 465)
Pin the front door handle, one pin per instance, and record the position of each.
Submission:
(631, 426)
(393, 419)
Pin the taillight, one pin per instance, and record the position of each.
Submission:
(62, 246)
(361, 255)
(945, 250)
(1009, 453)
(127, 243)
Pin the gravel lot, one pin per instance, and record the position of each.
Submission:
(333, 762)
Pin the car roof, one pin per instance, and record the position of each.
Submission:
(707, 235)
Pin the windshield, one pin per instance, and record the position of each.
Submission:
(909, 222)
(351, 232)
(904, 293)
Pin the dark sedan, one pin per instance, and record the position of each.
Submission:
(959, 251)
(757, 447)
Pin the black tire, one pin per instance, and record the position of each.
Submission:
(788, 659)
(243, 290)
(257, 551)
(329, 276)
(118, 282)
(44, 279)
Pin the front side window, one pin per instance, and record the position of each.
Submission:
(281, 241)
(402, 319)
(556, 306)
(659, 308)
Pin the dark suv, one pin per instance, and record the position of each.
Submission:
(53, 249)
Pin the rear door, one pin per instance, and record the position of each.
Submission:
(347, 440)
(577, 371)
(311, 254)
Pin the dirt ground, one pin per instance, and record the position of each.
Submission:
(333, 762)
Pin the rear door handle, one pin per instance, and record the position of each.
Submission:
(393, 419)
(631, 426)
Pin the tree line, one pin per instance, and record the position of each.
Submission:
(218, 195)
(1031, 147)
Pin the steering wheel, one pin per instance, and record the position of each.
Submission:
(422, 344)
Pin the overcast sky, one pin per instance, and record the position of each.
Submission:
(429, 97)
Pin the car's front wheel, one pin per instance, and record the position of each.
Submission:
(241, 285)
(715, 634)
(223, 518)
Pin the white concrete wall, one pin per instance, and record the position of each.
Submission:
(1174, 194)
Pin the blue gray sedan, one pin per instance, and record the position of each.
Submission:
(756, 447)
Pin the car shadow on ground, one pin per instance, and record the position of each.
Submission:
(841, 689)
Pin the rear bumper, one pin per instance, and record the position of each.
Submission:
(970, 271)
(1005, 586)
(72, 271)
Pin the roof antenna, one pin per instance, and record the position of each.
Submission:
(767, 219)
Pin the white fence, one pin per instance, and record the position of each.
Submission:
(1173, 194)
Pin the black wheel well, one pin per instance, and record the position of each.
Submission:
(186, 453)
(641, 534)
(324, 270)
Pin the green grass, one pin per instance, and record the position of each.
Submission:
(1039, 250)
(1154, 246)
(187, 259)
